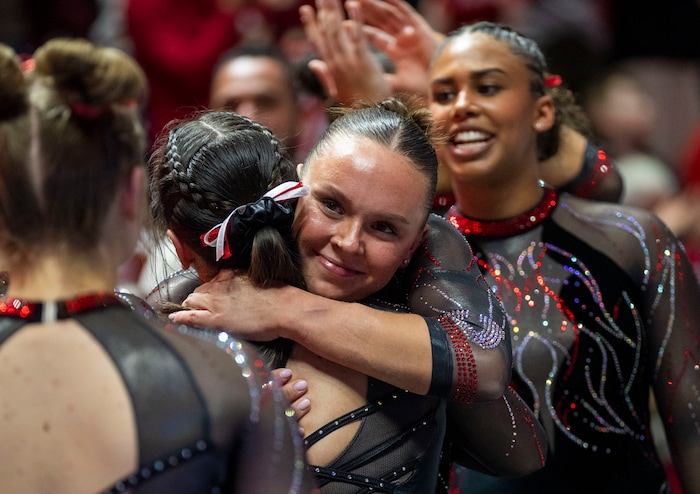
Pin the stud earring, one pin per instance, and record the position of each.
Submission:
(538, 125)
(406, 262)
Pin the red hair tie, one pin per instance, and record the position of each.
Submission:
(553, 80)
(28, 65)
(89, 111)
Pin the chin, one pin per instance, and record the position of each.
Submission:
(331, 291)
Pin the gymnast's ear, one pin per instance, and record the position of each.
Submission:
(419, 239)
(184, 252)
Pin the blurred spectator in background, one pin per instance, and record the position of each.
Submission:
(658, 44)
(624, 118)
(179, 41)
(257, 81)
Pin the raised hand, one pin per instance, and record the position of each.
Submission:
(348, 69)
(398, 30)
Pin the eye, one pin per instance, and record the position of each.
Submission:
(488, 89)
(443, 95)
(384, 227)
(332, 205)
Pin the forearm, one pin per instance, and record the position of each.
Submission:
(399, 348)
(392, 347)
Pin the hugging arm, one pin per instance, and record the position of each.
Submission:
(458, 347)
(447, 286)
(468, 325)
(392, 347)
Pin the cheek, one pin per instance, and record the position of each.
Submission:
(440, 115)
(384, 262)
(311, 230)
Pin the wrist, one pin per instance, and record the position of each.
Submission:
(291, 316)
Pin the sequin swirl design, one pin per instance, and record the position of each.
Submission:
(480, 327)
(601, 306)
(535, 295)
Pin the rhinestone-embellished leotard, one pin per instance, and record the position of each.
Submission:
(196, 396)
(603, 306)
(398, 445)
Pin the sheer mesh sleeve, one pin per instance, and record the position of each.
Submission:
(447, 288)
(671, 311)
(490, 427)
(501, 437)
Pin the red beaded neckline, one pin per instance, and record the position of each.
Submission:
(511, 226)
(33, 311)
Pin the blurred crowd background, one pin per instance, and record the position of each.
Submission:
(634, 64)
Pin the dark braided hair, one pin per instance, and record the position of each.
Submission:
(201, 170)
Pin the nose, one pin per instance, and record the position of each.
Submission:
(348, 237)
(247, 109)
(464, 104)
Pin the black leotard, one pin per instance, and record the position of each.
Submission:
(603, 305)
(399, 442)
(197, 399)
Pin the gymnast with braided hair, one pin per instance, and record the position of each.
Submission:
(95, 397)
(365, 257)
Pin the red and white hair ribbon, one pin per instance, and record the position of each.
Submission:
(216, 236)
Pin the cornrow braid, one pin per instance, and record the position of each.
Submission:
(180, 175)
(277, 148)
(204, 168)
